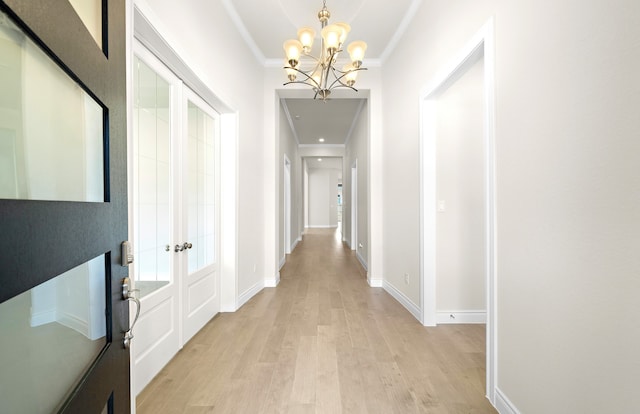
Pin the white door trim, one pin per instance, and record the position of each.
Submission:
(482, 43)
(287, 205)
(354, 205)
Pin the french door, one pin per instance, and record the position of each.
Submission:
(175, 214)
(63, 207)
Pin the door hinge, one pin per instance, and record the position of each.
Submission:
(126, 254)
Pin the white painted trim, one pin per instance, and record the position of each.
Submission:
(249, 293)
(483, 43)
(461, 316)
(403, 299)
(354, 122)
(73, 322)
(329, 226)
(246, 36)
(295, 243)
(287, 202)
(362, 261)
(285, 107)
(272, 282)
(374, 281)
(42, 318)
(402, 27)
(503, 404)
(282, 262)
(147, 29)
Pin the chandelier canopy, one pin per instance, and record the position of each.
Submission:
(320, 72)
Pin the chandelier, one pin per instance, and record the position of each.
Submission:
(320, 72)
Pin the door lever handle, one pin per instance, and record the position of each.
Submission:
(186, 245)
(178, 248)
(127, 294)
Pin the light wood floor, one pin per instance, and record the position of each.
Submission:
(323, 342)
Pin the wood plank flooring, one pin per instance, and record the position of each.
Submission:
(323, 342)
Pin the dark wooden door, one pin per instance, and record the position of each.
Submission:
(42, 237)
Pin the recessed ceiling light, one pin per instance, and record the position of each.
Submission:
(297, 117)
(321, 139)
(320, 159)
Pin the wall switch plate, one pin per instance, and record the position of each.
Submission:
(406, 278)
(442, 206)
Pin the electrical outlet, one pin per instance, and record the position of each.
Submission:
(406, 278)
(254, 268)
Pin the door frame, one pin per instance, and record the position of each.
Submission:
(144, 29)
(43, 239)
(482, 44)
(172, 342)
(354, 205)
(287, 205)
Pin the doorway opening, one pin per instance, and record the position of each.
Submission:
(477, 56)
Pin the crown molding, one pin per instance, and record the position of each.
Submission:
(237, 21)
(402, 27)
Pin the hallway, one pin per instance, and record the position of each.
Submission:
(323, 342)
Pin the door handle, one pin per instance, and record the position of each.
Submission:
(178, 248)
(128, 295)
(186, 245)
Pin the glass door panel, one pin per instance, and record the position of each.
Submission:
(201, 170)
(152, 179)
(51, 334)
(51, 130)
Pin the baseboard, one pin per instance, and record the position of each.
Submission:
(73, 322)
(282, 262)
(362, 261)
(42, 318)
(323, 227)
(457, 316)
(272, 281)
(374, 281)
(295, 243)
(403, 299)
(249, 293)
(503, 404)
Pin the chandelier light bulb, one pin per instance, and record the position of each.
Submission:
(306, 36)
(291, 73)
(293, 48)
(345, 31)
(324, 77)
(331, 35)
(351, 74)
(356, 52)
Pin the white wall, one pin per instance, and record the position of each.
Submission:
(357, 149)
(289, 147)
(323, 196)
(208, 47)
(567, 148)
(460, 234)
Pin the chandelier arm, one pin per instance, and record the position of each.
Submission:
(343, 74)
(315, 84)
(300, 82)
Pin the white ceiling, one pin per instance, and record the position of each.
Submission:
(315, 119)
(324, 163)
(267, 24)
